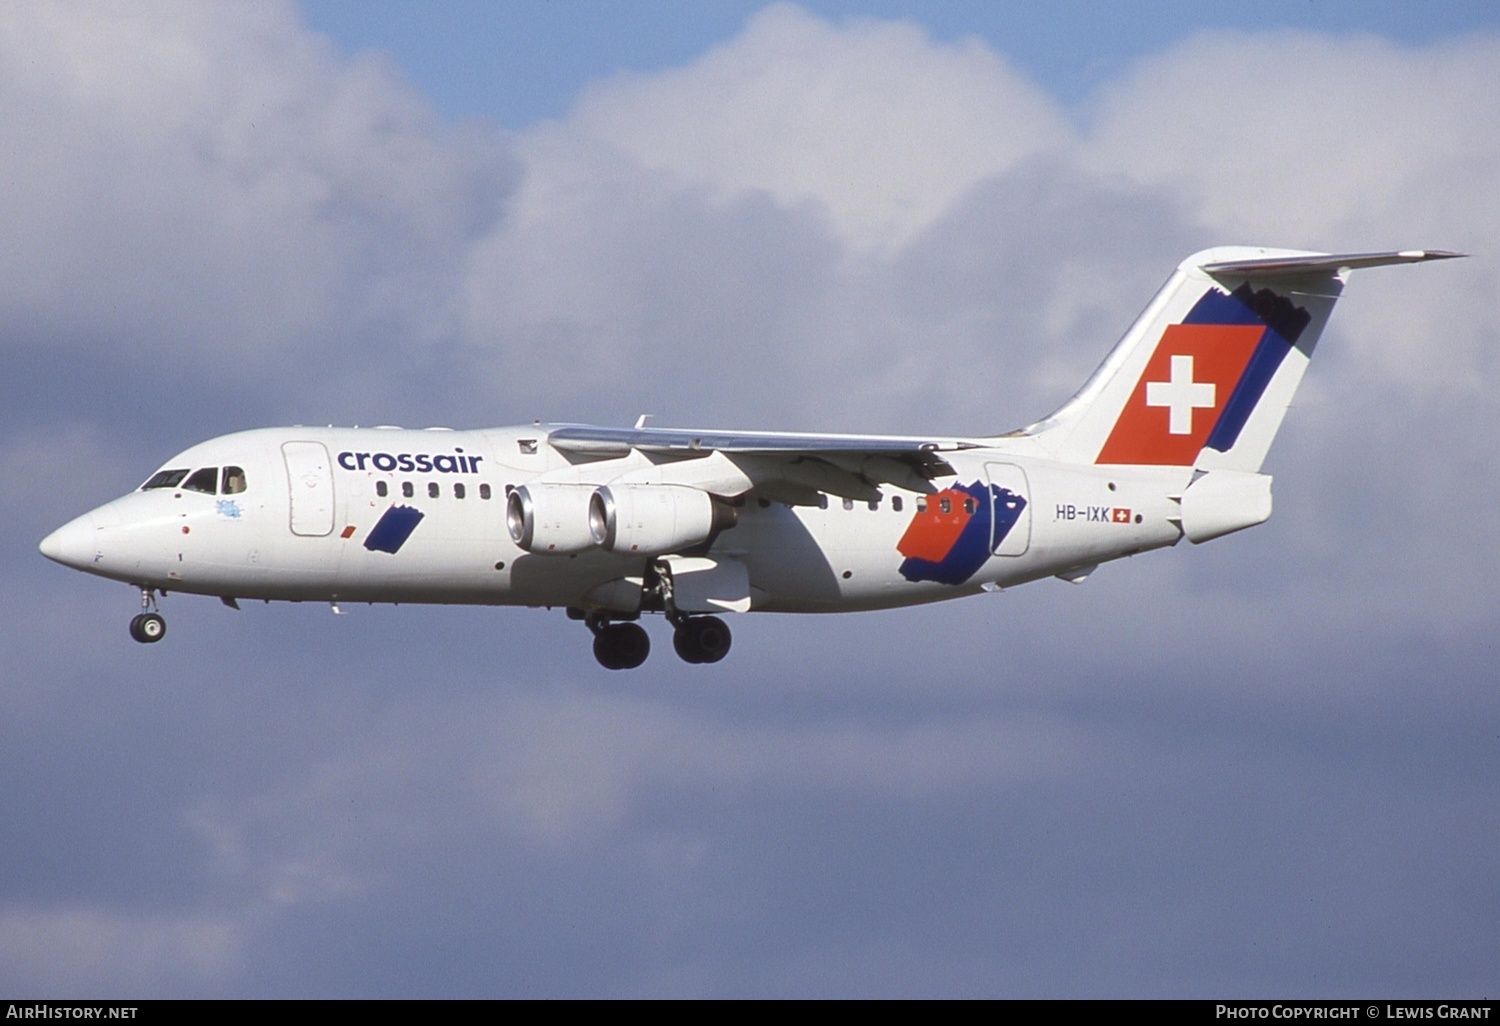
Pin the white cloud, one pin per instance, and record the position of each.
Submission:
(1317, 140)
(1345, 144)
(209, 184)
(872, 122)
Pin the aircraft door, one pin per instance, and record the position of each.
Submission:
(309, 477)
(1010, 495)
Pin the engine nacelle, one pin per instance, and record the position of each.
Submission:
(652, 519)
(550, 519)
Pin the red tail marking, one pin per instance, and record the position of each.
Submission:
(1143, 433)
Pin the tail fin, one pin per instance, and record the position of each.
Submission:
(1205, 375)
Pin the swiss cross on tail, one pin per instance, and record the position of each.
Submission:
(1204, 378)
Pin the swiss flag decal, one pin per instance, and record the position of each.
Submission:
(1179, 397)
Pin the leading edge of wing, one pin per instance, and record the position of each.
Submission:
(605, 441)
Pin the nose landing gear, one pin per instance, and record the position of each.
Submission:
(149, 626)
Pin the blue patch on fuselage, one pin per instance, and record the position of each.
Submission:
(1008, 507)
(393, 528)
(1000, 509)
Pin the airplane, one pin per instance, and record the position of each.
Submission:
(1164, 441)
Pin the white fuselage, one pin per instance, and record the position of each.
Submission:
(312, 498)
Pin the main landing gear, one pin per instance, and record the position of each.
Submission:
(618, 646)
(701, 639)
(624, 646)
(148, 626)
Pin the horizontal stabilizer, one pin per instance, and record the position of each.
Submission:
(1331, 263)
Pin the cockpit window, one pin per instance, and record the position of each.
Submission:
(234, 481)
(204, 480)
(165, 479)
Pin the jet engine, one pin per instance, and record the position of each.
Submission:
(550, 519)
(652, 519)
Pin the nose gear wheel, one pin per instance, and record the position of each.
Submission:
(148, 626)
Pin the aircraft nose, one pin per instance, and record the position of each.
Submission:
(72, 544)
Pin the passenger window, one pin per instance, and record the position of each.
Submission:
(484, 491)
(848, 503)
(458, 490)
(921, 505)
(822, 501)
(968, 505)
(874, 504)
(205, 481)
(432, 489)
(165, 479)
(381, 489)
(945, 505)
(407, 490)
(234, 481)
(896, 503)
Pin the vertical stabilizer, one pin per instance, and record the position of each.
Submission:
(1204, 376)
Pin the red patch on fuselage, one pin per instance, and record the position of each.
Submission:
(932, 532)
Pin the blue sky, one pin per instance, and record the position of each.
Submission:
(1259, 767)
(521, 61)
